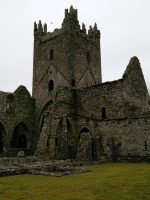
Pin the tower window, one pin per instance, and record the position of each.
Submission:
(56, 142)
(145, 146)
(88, 57)
(51, 54)
(103, 112)
(51, 85)
(72, 82)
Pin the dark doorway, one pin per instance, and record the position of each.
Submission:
(2, 132)
(66, 141)
(19, 137)
(1, 141)
(71, 141)
(85, 146)
(103, 112)
(22, 141)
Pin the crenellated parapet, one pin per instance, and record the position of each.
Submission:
(70, 22)
(71, 13)
(40, 29)
(70, 26)
(41, 33)
(93, 31)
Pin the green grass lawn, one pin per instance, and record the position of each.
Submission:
(107, 181)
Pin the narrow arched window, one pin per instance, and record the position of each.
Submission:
(1, 140)
(145, 145)
(72, 82)
(56, 141)
(103, 112)
(51, 85)
(88, 57)
(51, 54)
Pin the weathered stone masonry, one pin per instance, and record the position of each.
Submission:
(72, 114)
(16, 121)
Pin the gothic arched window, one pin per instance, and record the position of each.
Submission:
(51, 85)
(51, 54)
(88, 57)
(103, 112)
(72, 82)
(145, 145)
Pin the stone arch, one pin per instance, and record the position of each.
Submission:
(20, 136)
(98, 148)
(85, 145)
(71, 141)
(65, 141)
(46, 108)
(2, 135)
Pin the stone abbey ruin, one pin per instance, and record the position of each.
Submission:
(71, 113)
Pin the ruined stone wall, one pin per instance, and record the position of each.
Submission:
(110, 138)
(120, 138)
(135, 88)
(83, 107)
(79, 112)
(15, 109)
(126, 97)
(108, 95)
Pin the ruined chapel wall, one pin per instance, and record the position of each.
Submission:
(135, 87)
(109, 95)
(16, 108)
(129, 136)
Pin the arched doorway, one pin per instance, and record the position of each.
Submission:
(47, 108)
(97, 147)
(2, 133)
(65, 141)
(22, 141)
(19, 137)
(85, 146)
(71, 141)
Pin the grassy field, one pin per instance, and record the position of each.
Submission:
(104, 182)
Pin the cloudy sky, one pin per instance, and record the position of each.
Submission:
(124, 26)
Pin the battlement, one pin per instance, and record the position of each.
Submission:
(70, 24)
(72, 50)
(71, 19)
(40, 28)
(71, 13)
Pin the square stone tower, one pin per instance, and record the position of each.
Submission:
(69, 57)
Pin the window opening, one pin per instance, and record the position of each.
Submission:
(56, 142)
(51, 54)
(145, 145)
(51, 85)
(88, 57)
(103, 112)
(1, 141)
(72, 82)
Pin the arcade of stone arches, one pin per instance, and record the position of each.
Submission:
(18, 139)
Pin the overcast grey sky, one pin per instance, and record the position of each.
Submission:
(124, 26)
